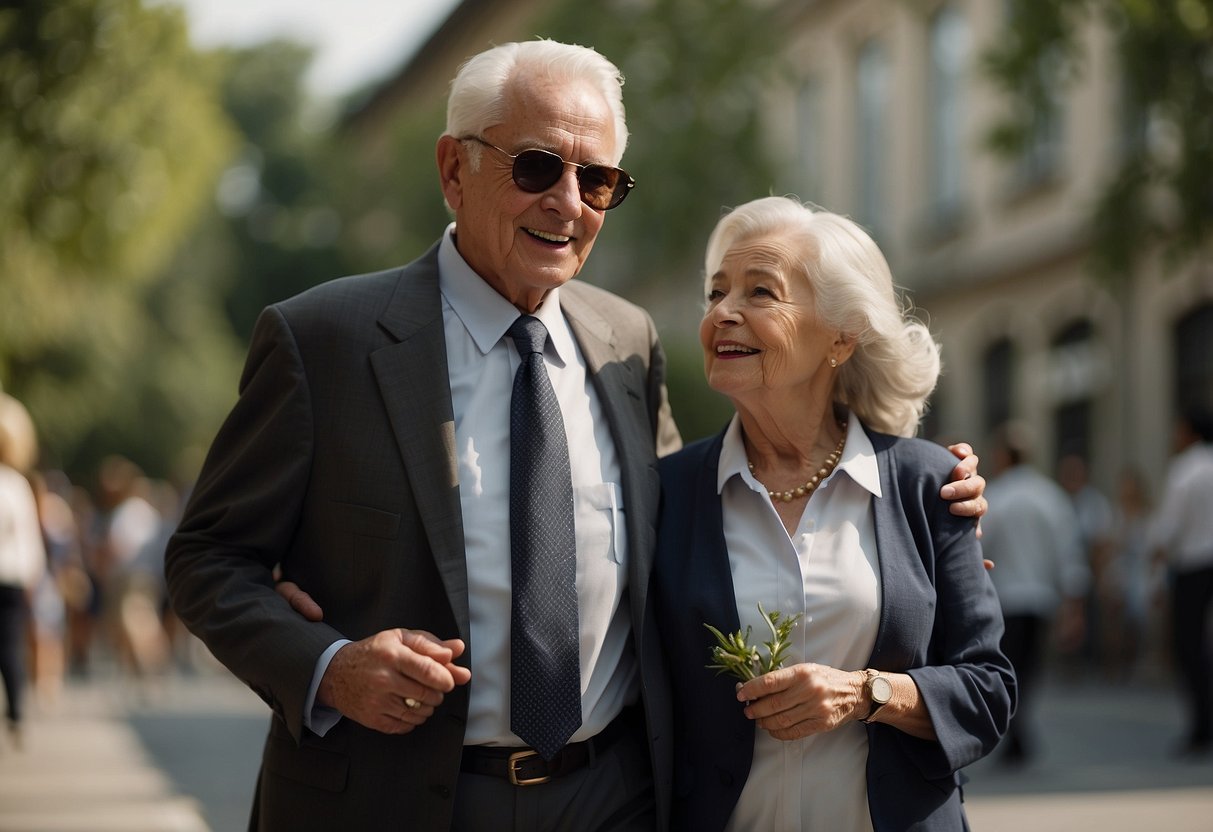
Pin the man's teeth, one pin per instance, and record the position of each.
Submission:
(551, 238)
(722, 348)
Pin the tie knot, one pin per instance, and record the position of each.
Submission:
(529, 334)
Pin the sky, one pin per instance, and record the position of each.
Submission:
(356, 41)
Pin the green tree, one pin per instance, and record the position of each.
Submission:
(277, 225)
(111, 140)
(696, 72)
(1165, 50)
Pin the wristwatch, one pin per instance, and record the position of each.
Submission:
(880, 691)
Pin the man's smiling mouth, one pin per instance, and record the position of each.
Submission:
(547, 236)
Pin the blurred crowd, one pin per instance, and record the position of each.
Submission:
(1115, 585)
(81, 573)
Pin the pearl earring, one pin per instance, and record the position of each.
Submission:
(833, 362)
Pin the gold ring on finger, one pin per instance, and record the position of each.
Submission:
(412, 703)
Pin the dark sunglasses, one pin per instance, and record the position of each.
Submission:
(534, 171)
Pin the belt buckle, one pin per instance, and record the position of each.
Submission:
(512, 766)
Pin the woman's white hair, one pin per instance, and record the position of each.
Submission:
(896, 361)
(478, 92)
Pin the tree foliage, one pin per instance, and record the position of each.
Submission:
(696, 73)
(278, 224)
(112, 136)
(1163, 189)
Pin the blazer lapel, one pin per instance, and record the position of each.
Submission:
(412, 376)
(711, 570)
(904, 587)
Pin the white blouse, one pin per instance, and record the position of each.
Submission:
(828, 572)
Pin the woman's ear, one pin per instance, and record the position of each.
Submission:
(843, 349)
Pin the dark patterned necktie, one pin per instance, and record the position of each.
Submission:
(545, 666)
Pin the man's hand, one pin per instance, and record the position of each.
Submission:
(967, 486)
(392, 681)
(966, 489)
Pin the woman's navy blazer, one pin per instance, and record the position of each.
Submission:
(940, 622)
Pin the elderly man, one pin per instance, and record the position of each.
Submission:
(457, 459)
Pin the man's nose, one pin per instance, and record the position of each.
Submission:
(565, 194)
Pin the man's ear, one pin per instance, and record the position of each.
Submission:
(450, 171)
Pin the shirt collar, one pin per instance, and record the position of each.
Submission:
(858, 458)
(485, 314)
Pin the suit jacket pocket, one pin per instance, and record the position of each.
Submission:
(367, 520)
(306, 764)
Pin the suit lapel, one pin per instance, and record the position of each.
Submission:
(621, 393)
(412, 376)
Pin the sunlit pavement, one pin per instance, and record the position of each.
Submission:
(182, 756)
(1103, 761)
(179, 755)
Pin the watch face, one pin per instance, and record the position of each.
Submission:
(882, 690)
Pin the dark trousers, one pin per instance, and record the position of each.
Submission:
(614, 793)
(1191, 601)
(1023, 642)
(13, 618)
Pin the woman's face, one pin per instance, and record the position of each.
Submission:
(760, 331)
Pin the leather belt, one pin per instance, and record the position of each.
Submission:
(524, 766)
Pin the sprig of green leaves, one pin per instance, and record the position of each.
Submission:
(733, 654)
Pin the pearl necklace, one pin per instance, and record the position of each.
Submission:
(814, 481)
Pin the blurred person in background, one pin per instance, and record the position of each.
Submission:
(815, 501)
(1040, 573)
(22, 555)
(1093, 511)
(82, 583)
(59, 587)
(132, 583)
(1181, 534)
(1129, 585)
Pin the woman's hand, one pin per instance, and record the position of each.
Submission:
(807, 699)
(299, 600)
(803, 699)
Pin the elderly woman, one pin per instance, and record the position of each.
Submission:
(814, 502)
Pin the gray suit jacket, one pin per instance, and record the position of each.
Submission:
(338, 463)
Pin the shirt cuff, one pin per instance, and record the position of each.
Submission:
(319, 719)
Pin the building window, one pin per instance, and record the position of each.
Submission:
(808, 139)
(1194, 359)
(998, 376)
(949, 49)
(872, 128)
(1075, 374)
(1041, 157)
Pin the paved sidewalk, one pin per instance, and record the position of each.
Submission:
(1103, 762)
(82, 768)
